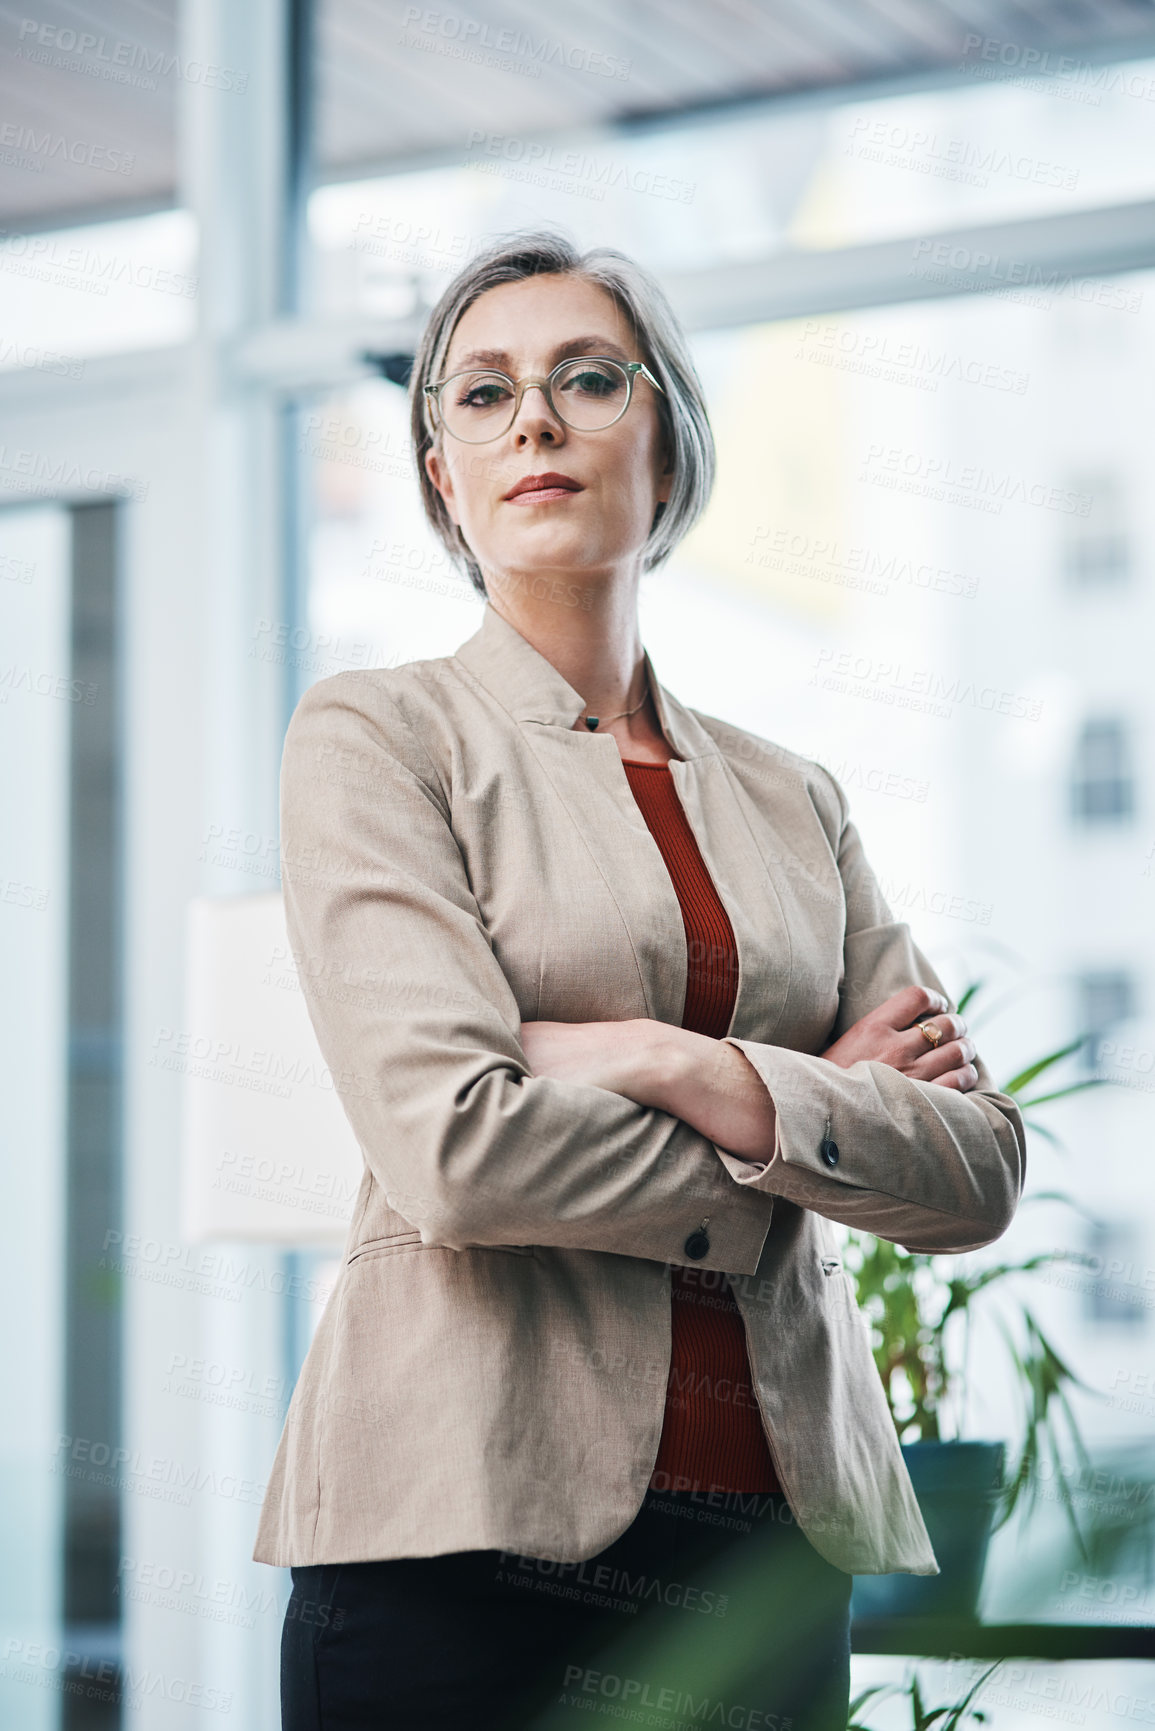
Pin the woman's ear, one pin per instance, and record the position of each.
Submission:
(439, 474)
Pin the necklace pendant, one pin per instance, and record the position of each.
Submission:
(592, 722)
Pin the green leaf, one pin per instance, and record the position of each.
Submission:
(1044, 1379)
(1061, 1093)
(1045, 1131)
(964, 1704)
(968, 994)
(1040, 1064)
(1053, 1196)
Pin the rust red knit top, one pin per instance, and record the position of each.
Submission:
(712, 1437)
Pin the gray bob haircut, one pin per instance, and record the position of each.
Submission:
(682, 410)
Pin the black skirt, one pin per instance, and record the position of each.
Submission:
(708, 1610)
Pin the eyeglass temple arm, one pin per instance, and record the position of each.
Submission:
(641, 367)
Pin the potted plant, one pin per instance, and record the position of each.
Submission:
(913, 1304)
(949, 1717)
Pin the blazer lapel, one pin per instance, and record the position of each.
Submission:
(586, 771)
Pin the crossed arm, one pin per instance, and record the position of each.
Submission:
(480, 1129)
(711, 1086)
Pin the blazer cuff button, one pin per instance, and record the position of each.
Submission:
(696, 1245)
(829, 1151)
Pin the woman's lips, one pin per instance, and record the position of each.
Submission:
(538, 495)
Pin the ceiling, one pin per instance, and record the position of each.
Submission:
(89, 130)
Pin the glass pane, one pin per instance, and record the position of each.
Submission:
(882, 582)
(798, 177)
(381, 589)
(888, 550)
(102, 289)
(35, 715)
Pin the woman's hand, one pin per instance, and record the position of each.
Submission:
(890, 1035)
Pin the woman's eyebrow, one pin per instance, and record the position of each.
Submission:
(572, 346)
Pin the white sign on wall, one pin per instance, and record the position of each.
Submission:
(268, 1153)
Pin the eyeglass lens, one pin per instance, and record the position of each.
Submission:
(587, 395)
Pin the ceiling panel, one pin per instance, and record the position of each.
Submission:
(87, 106)
(89, 88)
(402, 81)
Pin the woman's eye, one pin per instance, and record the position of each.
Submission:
(593, 383)
(481, 396)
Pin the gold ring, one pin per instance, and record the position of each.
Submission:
(930, 1032)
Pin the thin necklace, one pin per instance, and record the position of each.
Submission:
(592, 721)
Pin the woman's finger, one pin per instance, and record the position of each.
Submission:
(913, 1003)
(963, 1079)
(949, 1026)
(951, 1055)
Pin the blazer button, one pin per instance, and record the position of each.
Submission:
(829, 1151)
(696, 1245)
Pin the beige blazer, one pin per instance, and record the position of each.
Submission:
(490, 1370)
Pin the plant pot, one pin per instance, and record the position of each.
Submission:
(957, 1486)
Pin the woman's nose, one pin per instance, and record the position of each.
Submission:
(538, 409)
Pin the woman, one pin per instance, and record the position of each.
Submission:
(621, 1021)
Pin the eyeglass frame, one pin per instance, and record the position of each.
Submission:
(520, 386)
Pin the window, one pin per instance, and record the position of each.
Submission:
(1097, 550)
(1101, 786)
(1115, 1290)
(1104, 1000)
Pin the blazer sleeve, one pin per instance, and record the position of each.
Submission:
(420, 1027)
(924, 1166)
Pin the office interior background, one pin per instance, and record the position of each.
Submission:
(913, 243)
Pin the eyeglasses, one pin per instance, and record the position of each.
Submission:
(588, 394)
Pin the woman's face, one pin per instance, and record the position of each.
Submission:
(591, 535)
